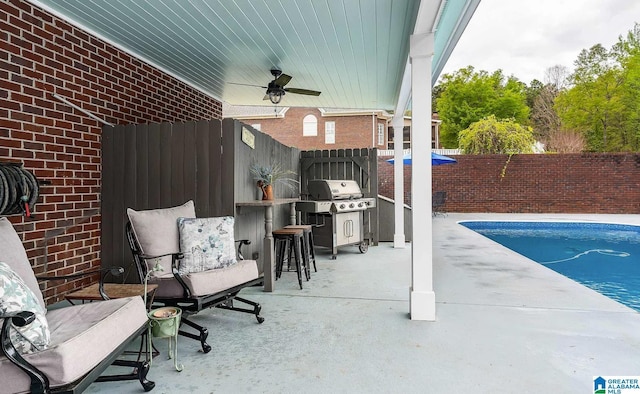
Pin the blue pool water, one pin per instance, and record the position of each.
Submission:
(603, 257)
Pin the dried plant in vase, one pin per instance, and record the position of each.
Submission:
(267, 176)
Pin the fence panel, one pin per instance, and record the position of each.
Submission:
(150, 166)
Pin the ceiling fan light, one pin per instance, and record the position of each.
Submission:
(275, 96)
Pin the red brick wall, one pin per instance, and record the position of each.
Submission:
(41, 55)
(351, 131)
(385, 179)
(568, 183)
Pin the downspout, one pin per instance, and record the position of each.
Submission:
(386, 127)
(373, 128)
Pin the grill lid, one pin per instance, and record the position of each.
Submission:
(333, 189)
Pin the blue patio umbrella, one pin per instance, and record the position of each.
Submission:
(436, 159)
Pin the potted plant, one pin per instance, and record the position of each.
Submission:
(267, 176)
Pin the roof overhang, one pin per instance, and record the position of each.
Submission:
(355, 52)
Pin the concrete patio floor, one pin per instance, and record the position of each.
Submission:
(504, 324)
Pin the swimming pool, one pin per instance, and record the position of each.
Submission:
(601, 256)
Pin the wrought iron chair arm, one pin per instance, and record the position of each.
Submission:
(39, 381)
(242, 242)
(176, 256)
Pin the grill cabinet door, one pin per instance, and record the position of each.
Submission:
(348, 228)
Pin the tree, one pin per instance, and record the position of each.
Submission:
(557, 76)
(544, 118)
(532, 91)
(493, 136)
(603, 100)
(566, 142)
(467, 96)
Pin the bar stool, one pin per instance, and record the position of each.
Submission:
(308, 248)
(292, 238)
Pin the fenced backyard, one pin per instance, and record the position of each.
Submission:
(535, 183)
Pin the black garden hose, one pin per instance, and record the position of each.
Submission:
(19, 190)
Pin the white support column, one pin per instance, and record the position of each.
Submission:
(398, 180)
(422, 297)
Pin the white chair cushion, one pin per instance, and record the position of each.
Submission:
(208, 282)
(213, 281)
(157, 231)
(81, 337)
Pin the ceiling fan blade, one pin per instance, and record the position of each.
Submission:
(303, 91)
(246, 84)
(283, 79)
(266, 97)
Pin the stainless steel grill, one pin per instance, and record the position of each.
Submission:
(335, 208)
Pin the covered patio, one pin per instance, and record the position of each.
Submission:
(366, 55)
(505, 324)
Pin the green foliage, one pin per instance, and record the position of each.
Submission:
(599, 100)
(604, 100)
(272, 174)
(532, 91)
(493, 136)
(467, 96)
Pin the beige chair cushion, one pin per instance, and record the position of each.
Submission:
(213, 281)
(157, 231)
(12, 252)
(81, 337)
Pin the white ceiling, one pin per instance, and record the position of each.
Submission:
(353, 51)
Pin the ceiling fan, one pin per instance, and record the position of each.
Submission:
(276, 89)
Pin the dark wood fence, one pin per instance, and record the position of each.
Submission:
(360, 165)
(151, 166)
(250, 220)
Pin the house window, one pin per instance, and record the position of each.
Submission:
(380, 134)
(310, 126)
(256, 126)
(329, 132)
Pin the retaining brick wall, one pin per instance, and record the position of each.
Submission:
(568, 183)
(41, 55)
(385, 179)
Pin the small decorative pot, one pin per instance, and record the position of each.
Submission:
(267, 192)
(165, 321)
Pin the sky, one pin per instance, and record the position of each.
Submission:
(523, 38)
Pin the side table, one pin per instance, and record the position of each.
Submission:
(113, 290)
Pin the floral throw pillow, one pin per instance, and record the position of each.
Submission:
(15, 296)
(207, 243)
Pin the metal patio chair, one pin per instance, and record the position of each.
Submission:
(154, 239)
(61, 350)
(437, 203)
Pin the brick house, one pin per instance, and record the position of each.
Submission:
(319, 128)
